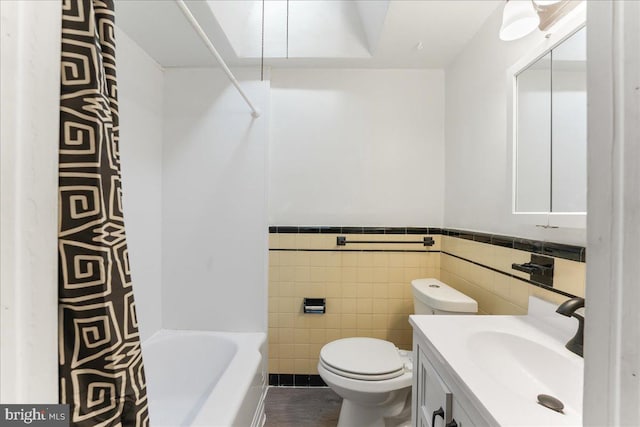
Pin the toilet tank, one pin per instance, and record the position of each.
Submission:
(431, 296)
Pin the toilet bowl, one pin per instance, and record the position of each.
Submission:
(373, 376)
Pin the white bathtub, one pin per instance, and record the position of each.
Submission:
(198, 378)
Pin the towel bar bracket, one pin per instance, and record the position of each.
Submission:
(540, 269)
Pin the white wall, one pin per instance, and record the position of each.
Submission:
(214, 228)
(29, 131)
(356, 147)
(612, 328)
(478, 157)
(140, 85)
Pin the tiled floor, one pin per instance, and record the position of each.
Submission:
(302, 407)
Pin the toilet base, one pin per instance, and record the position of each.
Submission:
(397, 414)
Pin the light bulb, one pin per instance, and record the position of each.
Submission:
(546, 2)
(519, 18)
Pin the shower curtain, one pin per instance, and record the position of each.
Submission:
(101, 370)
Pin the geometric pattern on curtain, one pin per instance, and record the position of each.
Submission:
(101, 370)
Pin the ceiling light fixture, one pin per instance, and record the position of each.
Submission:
(519, 18)
(545, 2)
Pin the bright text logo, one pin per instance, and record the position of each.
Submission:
(37, 415)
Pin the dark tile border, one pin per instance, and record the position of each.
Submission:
(503, 241)
(421, 230)
(296, 380)
(309, 230)
(274, 379)
(285, 379)
(557, 250)
(351, 250)
(330, 230)
(534, 246)
(353, 230)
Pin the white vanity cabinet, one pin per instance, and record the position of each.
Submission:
(436, 402)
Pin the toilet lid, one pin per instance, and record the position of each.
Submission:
(362, 358)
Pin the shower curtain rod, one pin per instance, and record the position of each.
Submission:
(194, 23)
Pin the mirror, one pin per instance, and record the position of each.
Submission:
(533, 132)
(550, 133)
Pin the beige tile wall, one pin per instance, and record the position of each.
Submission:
(369, 293)
(495, 292)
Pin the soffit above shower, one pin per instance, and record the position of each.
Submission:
(314, 33)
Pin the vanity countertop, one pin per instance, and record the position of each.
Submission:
(502, 363)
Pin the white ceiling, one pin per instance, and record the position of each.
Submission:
(322, 33)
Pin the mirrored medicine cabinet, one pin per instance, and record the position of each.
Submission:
(549, 131)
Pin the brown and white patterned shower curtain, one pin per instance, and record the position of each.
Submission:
(101, 371)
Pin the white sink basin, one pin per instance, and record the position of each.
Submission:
(502, 363)
(528, 368)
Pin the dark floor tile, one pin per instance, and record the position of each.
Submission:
(302, 407)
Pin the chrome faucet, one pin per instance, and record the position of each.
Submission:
(568, 308)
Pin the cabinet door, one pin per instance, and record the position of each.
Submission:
(434, 397)
(459, 417)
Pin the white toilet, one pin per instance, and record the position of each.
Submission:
(431, 296)
(373, 376)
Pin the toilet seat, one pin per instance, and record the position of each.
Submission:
(361, 358)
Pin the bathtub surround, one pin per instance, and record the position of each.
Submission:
(199, 246)
(140, 102)
(101, 370)
(214, 207)
(195, 194)
(367, 286)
